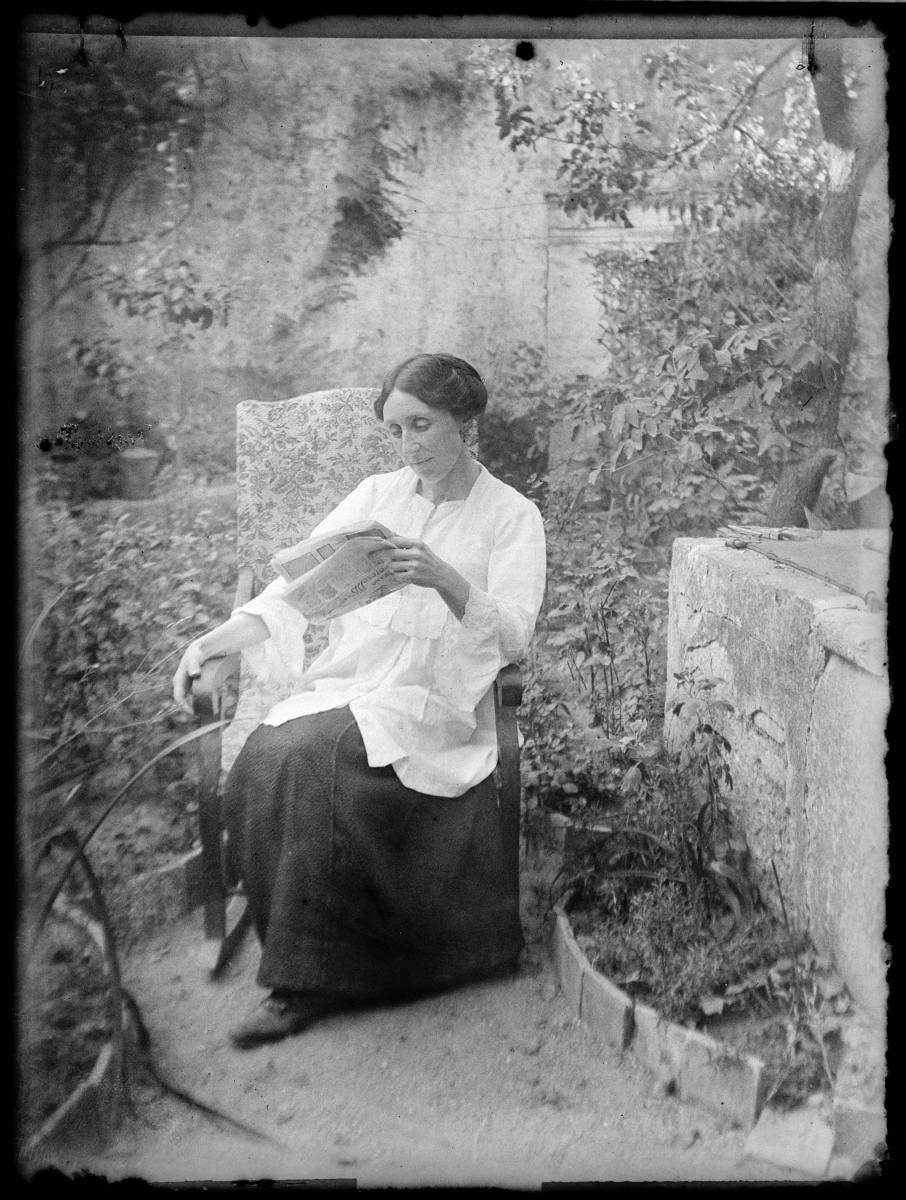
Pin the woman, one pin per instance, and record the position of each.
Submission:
(362, 814)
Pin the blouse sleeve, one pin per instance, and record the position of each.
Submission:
(280, 660)
(498, 623)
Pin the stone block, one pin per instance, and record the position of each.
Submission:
(725, 1081)
(569, 961)
(700, 1069)
(800, 1140)
(858, 1130)
(606, 1009)
(656, 1043)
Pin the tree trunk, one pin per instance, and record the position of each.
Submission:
(854, 140)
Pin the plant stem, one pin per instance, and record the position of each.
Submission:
(789, 932)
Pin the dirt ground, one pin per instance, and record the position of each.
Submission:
(494, 1084)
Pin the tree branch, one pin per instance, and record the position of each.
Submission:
(48, 247)
(764, 150)
(746, 97)
(89, 243)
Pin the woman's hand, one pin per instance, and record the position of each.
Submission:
(189, 668)
(415, 562)
(236, 633)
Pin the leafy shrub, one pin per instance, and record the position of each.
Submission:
(514, 431)
(667, 885)
(514, 448)
(595, 676)
(712, 337)
(126, 596)
(206, 449)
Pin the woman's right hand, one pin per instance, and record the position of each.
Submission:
(189, 668)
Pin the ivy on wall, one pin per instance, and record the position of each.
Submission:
(368, 217)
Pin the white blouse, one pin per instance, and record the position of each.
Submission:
(418, 681)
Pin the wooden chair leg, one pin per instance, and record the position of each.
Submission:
(208, 796)
(238, 923)
(508, 694)
(508, 783)
(226, 918)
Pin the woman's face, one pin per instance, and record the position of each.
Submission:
(429, 439)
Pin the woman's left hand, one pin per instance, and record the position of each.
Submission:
(414, 562)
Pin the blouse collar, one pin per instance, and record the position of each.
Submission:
(477, 487)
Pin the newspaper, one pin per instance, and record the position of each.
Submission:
(334, 574)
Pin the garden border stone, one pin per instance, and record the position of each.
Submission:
(858, 1129)
(716, 1075)
(697, 1066)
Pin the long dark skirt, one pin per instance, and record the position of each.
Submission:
(359, 887)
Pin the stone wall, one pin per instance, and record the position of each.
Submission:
(803, 665)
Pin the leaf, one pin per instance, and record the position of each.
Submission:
(831, 986)
(631, 780)
(857, 486)
(39, 620)
(813, 520)
(711, 1006)
(618, 420)
(768, 439)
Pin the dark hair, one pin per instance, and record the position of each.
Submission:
(438, 380)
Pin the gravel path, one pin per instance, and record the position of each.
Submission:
(494, 1084)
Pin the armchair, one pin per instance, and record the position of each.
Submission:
(295, 460)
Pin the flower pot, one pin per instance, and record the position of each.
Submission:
(137, 467)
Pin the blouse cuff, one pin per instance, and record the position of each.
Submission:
(486, 620)
(280, 660)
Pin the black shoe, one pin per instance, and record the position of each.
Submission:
(275, 1018)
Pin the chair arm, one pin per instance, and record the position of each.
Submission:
(508, 686)
(208, 688)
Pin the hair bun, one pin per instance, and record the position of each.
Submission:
(440, 381)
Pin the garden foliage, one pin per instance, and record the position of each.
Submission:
(115, 601)
(715, 368)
